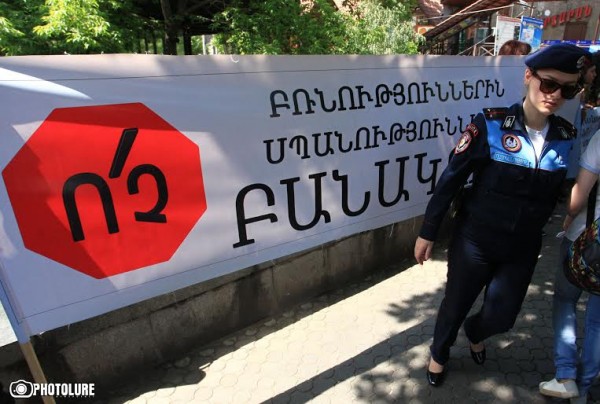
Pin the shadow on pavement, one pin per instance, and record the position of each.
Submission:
(392, 369)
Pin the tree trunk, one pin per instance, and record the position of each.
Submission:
(138, 43)
(171, 28)
(187, 42)
(154, 44)
(170, 39)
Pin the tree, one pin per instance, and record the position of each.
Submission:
(279, 27)
(17, 19)
(384, 28)
(74, 26)
(186, 18)
(245, 26)
(84, 26)
(289, 27)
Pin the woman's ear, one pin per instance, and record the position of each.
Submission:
(527, 77)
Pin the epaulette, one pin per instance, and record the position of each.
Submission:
(566, 128)
(495, 113)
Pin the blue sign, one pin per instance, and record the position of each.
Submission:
(592, 46)
(531, 32)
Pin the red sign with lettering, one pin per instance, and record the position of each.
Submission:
(106, 189)
(565, 16)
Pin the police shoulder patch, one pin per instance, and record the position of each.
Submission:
(463, 142)
(472, 129)
(495, 113)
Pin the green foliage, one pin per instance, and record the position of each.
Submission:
(17, 19)
(286, 27)
(246, 26)
(383, 29)
(70, 26)
(77, 25)
(279, 27)
(8, 34)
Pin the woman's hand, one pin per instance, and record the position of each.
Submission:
(567, 222)
(423, 250)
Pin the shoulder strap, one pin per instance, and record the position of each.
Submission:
(565, 128)
(495, 113)
(591, 206)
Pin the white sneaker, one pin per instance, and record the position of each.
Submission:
(578, 400)
(565, 389)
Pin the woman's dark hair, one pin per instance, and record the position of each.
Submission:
(514, 47)
(593, 92)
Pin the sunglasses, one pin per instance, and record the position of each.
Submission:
(548, 86)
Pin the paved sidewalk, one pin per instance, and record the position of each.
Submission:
(366, 343)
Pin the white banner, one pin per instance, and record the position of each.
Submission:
(129, 176)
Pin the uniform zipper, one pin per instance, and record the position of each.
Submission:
(537, 160)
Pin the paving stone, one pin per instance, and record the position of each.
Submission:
(158, 400)
(184, 393)
(182, 363)
(229, 380)
(242, 396)
(300, 397)
(138, 400)
(148, 394)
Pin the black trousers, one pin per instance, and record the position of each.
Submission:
(480, 258)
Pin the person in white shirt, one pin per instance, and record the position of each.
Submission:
(574, 374)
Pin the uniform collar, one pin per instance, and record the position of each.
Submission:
(516, 110)
(556, 123)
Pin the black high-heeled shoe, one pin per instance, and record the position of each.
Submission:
(478, 357)
(436, 379)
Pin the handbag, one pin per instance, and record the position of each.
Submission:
(582, 263)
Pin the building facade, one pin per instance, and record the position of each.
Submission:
(468, 27)
(570, 20)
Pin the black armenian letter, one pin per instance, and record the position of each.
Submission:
(68, 194)
(153, 215)
(319, 211)
(401, 191)
(346, 192)
(242, 221)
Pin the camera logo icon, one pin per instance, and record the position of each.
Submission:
(21, 389)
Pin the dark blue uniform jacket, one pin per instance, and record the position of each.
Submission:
(513, 192)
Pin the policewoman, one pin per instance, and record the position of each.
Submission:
(518, 157)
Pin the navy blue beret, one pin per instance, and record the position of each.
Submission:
(565, 57)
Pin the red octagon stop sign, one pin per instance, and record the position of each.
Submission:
(106, 189)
